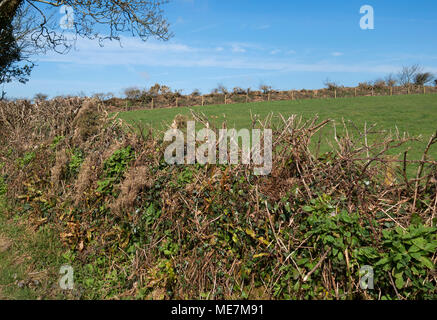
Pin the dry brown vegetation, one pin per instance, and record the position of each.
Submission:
(216, 232)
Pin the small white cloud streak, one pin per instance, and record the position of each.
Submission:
(337, 54)
(137, 53)
(204, 28)
(238, 49)
(263, 27)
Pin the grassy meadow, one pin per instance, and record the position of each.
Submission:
(414, 114)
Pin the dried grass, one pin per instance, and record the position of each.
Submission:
(357, 174)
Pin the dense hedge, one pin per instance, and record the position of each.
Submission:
(138, 227)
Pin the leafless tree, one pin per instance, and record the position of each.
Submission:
(407, 75)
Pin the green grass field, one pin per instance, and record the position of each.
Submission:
(414, 114)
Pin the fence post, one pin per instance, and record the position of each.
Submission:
(355, 92)
(292, 95)
(153, 103)
(424, 90)
(335, 94)
(408, 89)
(391, 91)
(373, 93)
(177, 102)
(226, 99)
(203, 101)
(247, 97)
(268, 96)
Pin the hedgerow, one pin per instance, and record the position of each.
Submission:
(135, 226)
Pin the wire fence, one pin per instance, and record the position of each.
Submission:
(175, 100)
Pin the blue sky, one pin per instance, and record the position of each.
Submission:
(245, 43)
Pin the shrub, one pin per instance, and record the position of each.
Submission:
(365, 86)
(423, 78)
(196, 93)
(265, 88)
(40, 97)
(140, 227)
(133, 93)
(379, 84)
(331, 85)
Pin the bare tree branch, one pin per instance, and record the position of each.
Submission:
(36, 30)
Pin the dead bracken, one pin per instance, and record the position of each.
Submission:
(219, 231)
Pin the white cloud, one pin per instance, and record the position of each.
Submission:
(179, 20)
(337, 54)
(276, 51)
(238, 49)
(204, 28)
(165, 54)
(262, 27)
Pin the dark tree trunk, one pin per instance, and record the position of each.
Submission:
(8, 10)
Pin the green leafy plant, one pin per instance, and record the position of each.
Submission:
(407, 259)
(114, 168)
(336, 235)
(3, 186)
(56, 141)
(26, 159)
(75, 162)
